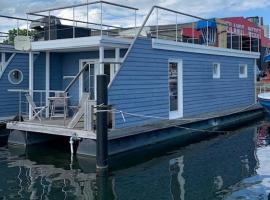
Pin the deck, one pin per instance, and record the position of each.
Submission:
(53, 127)
(59, 127)
(184, 122)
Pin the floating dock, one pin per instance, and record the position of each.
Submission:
(127, 139)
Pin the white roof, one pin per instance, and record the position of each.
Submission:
(80, 44)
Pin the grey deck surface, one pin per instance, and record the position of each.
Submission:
(54, 122)
(54, 127)
(164, 124)
(59, 127)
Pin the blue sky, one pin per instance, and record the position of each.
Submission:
(205, 8)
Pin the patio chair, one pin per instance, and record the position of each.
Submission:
(58, 106)
(35, 109)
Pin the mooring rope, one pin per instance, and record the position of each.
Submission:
(115, 111)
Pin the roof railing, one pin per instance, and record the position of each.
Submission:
(102, 27)
(234, 35)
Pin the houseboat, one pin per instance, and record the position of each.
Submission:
(156, 82)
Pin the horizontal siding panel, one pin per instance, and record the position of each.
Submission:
(144, 75)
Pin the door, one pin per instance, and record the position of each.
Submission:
(88, 79)
(175, 89)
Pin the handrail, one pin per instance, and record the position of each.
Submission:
(83, 4)
(39, 91)
(146, 20)
(75, 78)
(133, 42)
(79, 21)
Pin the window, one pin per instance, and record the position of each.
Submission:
(216, 70)
(242, 71)
(15, 76)
(173, 85)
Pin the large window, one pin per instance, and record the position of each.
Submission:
(216, 70)
(243, 71)
(173, 86)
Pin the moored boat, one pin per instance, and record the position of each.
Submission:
(264, 100)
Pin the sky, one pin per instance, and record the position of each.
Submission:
(205, 8)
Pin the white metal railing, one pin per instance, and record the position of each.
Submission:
(262, 88)
(101, 28)
(39, 97)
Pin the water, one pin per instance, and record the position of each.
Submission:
(231, 166)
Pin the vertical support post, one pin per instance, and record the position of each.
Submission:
(258, 43)
(157, 25)
(101, 60)
(20, 105)
(17, 27)
(27, 25)
(231, 39)
(49, 25)
(117, 59)
(176, 28)
(250, 43)
(135, 18)
(193, 34)
(241, 43)
(73, 13)
(255, 80)
(102, 124)
(87, 14)
(101, 19)
(3, 60)
(47, 86)
(31, 80)
(207, 32)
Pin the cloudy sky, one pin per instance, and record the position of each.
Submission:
(203, 8)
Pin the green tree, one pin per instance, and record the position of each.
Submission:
(14, 32)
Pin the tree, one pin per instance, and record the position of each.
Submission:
(14, 32)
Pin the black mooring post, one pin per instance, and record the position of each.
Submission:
(102, 129)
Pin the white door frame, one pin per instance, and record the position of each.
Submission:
(179, 113)
(97, 71)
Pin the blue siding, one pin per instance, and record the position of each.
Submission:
(63, 64)
(141, 86)
(71, 62)
(9, 101)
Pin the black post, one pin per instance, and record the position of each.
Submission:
(102, 129)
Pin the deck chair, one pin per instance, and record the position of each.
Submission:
(36, 110)
(80, 111)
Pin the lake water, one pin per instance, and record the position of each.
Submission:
(231, 166)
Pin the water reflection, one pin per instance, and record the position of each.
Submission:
(199, 171)
(232, 166)
(24, 178)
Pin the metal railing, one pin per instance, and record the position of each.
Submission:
(96, 28)
(39, 98)
(262, 88)
(166, 24)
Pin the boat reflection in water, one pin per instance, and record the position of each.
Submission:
(225, 167)
(199, 171)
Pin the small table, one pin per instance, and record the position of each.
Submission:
(54, 102)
